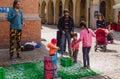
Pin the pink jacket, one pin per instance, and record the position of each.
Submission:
(86, 37)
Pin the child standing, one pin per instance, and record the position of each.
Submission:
(75, 47)
(52, 52)
(86, 38)
(52, 47)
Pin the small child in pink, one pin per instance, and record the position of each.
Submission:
(75, 47)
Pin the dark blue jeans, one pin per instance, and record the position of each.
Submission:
(86, 60)
(65, 37)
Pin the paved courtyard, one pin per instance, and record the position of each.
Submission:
(107, 62)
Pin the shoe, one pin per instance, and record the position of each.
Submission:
(88, 67)
(111, 41)
(70, 55)
(11, 57)
(82, 68)
(18, 56)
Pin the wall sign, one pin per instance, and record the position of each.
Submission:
(4, 9)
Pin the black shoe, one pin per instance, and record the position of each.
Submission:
(88, 67)
(18, 56)
(82, 68)
(11, 57)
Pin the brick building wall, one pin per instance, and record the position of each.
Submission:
(32, 30)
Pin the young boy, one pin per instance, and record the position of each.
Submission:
(52, 47)
(52, 52)
(75, 47)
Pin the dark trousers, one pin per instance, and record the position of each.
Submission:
(65, 37)
(75, 53)
(109, 37)
(15, 38)
(86, 60)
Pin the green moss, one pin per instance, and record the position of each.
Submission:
(35, 70)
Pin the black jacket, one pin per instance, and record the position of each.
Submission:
(61, 24)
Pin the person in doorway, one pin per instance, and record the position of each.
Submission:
(66, 27)
(15, 17)
(110, 34)
(86, 35)
(100, 21)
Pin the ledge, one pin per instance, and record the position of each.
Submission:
(3, 16)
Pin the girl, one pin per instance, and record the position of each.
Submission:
(86, 38)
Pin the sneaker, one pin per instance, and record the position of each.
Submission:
(88, 67)
(82, 68)
(11, 57)
(18, 56)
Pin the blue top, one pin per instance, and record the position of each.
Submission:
(15, 21)
(100, 23)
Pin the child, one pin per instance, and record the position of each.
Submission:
(86, 38)
(52, 47)
(52, 52)
(75, 47)
(110, 35)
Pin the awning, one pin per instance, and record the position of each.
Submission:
(117, 6)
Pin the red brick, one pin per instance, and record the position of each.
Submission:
(32, 30)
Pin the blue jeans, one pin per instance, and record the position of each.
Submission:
(65, 37)
(86, 60)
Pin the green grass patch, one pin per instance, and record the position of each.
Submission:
(35, 70)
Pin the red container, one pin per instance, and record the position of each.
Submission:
(118, 27)
(48, 63)
(48, 74)
(113, 26)
(107, 24)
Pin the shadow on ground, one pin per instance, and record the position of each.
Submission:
(27, 56)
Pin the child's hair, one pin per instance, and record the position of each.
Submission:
(54, 40)
(100, 14)
(84, 24)
(74, 34)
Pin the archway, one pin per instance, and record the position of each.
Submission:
(58, 10)
(77, 12)
(83, 8)
(43, 12)
(71, 7)
(50, 12)
(80, 11)
(103, 8)
(106, 8)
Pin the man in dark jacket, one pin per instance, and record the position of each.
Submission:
(66, 27)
